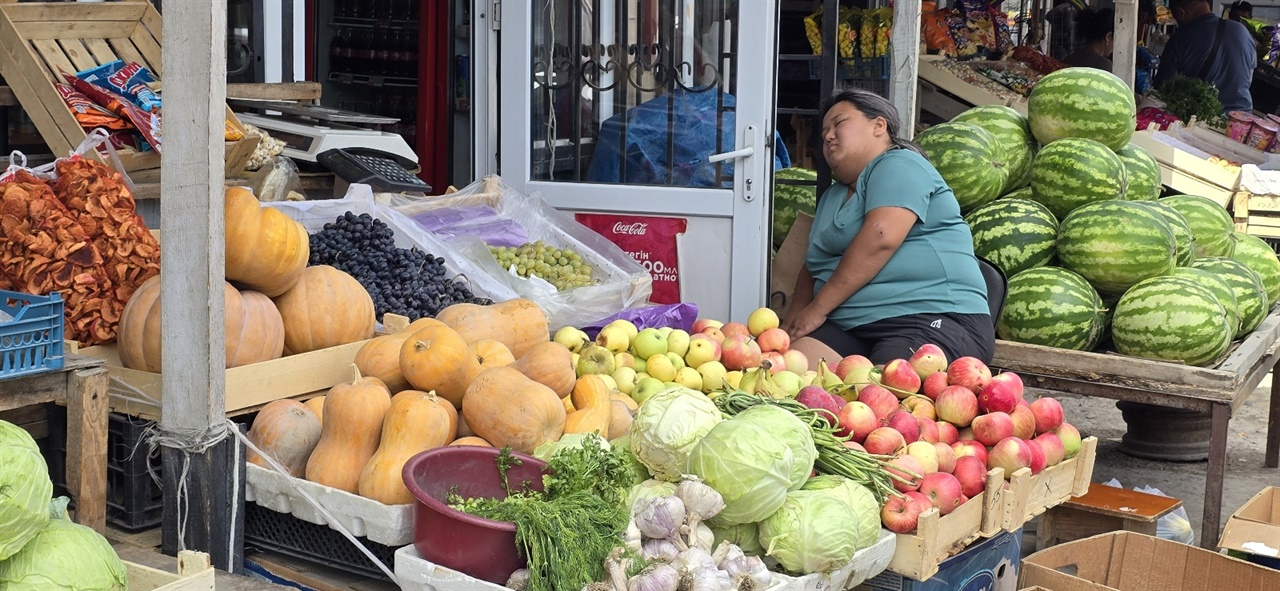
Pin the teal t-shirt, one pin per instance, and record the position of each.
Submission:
(934, 271)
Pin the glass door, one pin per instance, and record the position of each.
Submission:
(659, 108)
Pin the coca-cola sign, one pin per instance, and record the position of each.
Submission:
(651, 241)
(632, 229)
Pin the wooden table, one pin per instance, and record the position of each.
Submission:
(81, 385)
(1218, 391)
(1101, 510)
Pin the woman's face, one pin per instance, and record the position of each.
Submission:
(850, 140)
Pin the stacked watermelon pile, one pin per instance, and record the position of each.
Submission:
(1071, 212)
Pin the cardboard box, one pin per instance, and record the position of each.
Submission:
(991, 564)
(1254, 529)
(787, 263)
(1127, 561)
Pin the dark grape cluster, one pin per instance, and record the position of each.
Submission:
(408, 282)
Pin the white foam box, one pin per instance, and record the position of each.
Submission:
(390, 525)
(867, 563)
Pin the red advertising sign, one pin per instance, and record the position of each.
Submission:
(651, 241)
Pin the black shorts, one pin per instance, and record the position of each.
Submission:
(958, 335)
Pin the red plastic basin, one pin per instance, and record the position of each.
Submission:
(482, 548)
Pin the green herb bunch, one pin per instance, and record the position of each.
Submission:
(1189, 97)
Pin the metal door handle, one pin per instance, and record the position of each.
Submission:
(734, 155)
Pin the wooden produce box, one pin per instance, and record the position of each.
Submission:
(919, 554)
(941, 79)
(40, 40)
(137, 393)
(1030, 495)
(194, 574)
(1183, 154)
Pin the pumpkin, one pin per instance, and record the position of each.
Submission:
(619, 420)
(491, 353)
(594, 406)
(380, 357)
(551, 365)
(351, 433)
(519, 324)
(286, 431)
(505, 408)
(463, 429)
(473, 441)
(316, 405)
(415, 422)
(253, 327)
(265, 250)
(437, 359)
(568, 404)
(326, 308)
(626, 401)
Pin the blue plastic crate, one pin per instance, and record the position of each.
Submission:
(31, 342)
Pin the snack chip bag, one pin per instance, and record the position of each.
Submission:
(961, 35)
(125, 79)
(89, 113)
(933, 28)
(147, 122)
(1000, 24)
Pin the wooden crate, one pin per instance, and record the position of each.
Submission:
(1184, 165)
(943, 80)
(39, 41)
(1029, 495)
(195, 573)
(937, 537)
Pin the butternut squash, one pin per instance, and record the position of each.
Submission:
(316, 405)
(380, 358)
(476, 441)
(415, 422)
(626, 401)
(325, 308)
(436, 358)
(505, 408)
(549, 364)
(286, 431)
(619, 420)
(594, 407)
(350, 434)
(264, 250)
(519, 323)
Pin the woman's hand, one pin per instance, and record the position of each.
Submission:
(806, 321)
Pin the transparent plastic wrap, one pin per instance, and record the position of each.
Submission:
(277, 181)
(491, 212)
(314, 215)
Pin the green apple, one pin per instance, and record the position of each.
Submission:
(609, 381)
(701, 350)
(571, 338)
(640, 375)
(649, 342)
(713, 374)
(614, 338)
(788, 382)
(806, 378)
(678, 342)
(645, 389)
(666, 330)
(762, 319)
(627, 326)
(626, 379)
(594, 360)
(676, 360)
(689, 378)
(733, 378)
(639, 364)
(660, 367)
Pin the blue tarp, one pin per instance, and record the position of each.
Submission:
(693, 140)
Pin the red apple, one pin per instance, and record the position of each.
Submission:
(928, 360)
(970, 448)
(966, 433)
(856, 420)
(880, 400)
(1054, 452)
(1070, 438)
(946, 457)
(702, 324)
(934, 385)
(957, 405)
(900, 514)
(1038, 458)
(905, 423)
(924, 453)
(774, 339)
(714, 333)
(1048, 413)
(900, 377)
(969, 372)
(928, 430)
(909, 471)
(776, 362)
(972, 474)
(1010, 454)
(884, 441)
(1024, 422)
(739, 353)
(921, 407)
(735, 328)
(1001, 394)
(916, 496)
(947, 433)
(855, 445)
(797, 361)
(989, 429)
(816, 398)
(850, 362)
(944, 491)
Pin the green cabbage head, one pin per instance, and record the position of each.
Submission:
(793, 432)
(64, 555)
(649, 489)
(813, 532)
(857, 499)
(745, 535)
(639, 473)
(667, 426)
(25, 489)
(748, 464)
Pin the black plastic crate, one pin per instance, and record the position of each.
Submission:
(134, 499)
(265, 529)
(1274, 243)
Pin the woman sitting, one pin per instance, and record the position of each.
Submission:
(890, 264)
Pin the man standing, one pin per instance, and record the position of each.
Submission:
(1212, 49)
(1240, 10)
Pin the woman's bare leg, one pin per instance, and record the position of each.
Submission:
(814, 350)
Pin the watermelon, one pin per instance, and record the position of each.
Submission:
(1013, 131)
(1115, 244)
(969, 159)
(1211, 226)
(1023, 193)
(1084, 103)
(1015, 234)
(1054, 307)
(1221, 289)
(1171, 318)
(790, 199)
(1072, 172)
(1181, 231)
(1143, 173)
(1259, 256)
(1251, 297)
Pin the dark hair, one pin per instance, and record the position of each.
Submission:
(872, 105)
(1094, 25)
(1242, 7)
(1147, 7)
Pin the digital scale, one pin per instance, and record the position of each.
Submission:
(309, 130)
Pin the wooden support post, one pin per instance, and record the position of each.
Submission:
(1220, 417)
(903, 78)
(1273, 421)
(203, 485)
(87, 438)
(1124, 58)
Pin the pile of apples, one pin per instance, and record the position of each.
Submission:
(944, 425)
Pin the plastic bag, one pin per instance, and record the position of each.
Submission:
(679, 316)
(278, 181)
(1175, 525)
(622, 282)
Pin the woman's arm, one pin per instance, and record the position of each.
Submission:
(802, 294)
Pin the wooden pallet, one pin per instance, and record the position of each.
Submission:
(194, 574)
(39, 41)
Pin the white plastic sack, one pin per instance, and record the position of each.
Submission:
(1175, 525)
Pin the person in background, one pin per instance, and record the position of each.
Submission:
(1063, 40)
(890, 264)
(1240, 10)
(1212, 49)
(1097, 29)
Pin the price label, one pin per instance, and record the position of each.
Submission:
(651, 241)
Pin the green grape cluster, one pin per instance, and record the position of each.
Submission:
(561, 267)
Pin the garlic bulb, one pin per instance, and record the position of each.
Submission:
(657, 577)
(700, 580)
(660, 517)
(726, 551)
(616, 567)
(702, 537)
(633, 539)
(694, 559)
(700, 500)
(660, 550)
(519, 580)
(750, 568)
(598, 587)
